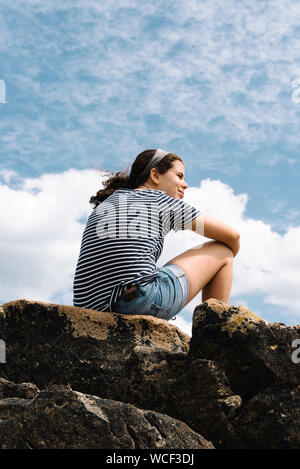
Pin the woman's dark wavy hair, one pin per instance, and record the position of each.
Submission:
(130, 181)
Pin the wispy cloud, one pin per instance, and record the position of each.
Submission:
(88, 70)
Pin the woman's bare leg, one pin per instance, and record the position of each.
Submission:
(208, 268)
(220, 285)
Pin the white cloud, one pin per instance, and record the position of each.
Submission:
(7, 175)
(41, 232)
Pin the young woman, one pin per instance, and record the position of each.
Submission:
(124, 236)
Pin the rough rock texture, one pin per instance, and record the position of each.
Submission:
(105, 354)
(61, 418)
(134, 359)
(257, 359)
(233, 382)
(23, 390)
(271, 419)
(253, 353)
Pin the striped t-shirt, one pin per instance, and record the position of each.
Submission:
(122, 242)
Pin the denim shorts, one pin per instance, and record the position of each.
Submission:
(163, 298)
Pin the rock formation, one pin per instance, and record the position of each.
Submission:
(61, 418)
(139, 382)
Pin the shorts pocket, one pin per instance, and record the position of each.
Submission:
(138, 293)
(141, 298)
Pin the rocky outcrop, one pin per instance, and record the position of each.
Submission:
(59, 417)
(233, 383)
(257, 359)
(253, 353)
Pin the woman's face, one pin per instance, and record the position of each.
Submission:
(172, 182)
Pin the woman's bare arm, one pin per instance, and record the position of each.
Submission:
(217, 230)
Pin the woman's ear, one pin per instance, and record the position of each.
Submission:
(154, 175)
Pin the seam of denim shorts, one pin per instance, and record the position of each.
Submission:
(181, 275)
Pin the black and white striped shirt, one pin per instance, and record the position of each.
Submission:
(122, 242)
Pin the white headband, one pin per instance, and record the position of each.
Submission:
(158, 155)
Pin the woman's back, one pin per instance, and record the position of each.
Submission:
(122, 242)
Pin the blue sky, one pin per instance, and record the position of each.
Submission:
(91, 84)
